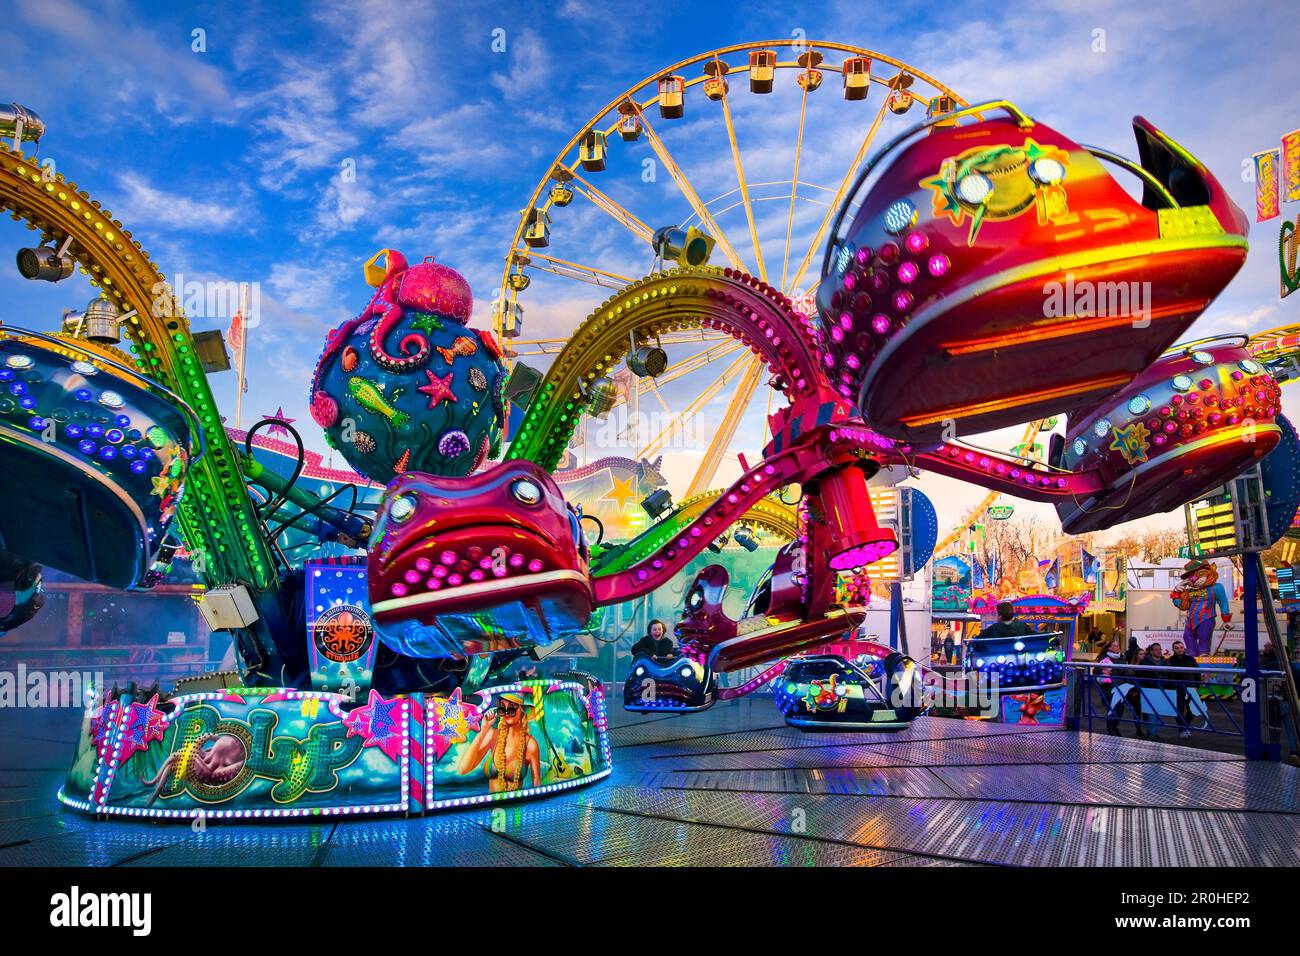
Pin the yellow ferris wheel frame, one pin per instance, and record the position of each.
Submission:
(643, 103)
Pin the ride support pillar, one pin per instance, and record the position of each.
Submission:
(1251, 709)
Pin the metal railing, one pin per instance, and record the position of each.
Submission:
(1188, 700)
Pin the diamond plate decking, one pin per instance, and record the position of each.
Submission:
(735, 786)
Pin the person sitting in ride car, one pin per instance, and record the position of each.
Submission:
(656, 643)
(1006, 624)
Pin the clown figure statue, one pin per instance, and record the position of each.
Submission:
(1200, 595)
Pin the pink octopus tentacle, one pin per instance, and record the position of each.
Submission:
(392, 314)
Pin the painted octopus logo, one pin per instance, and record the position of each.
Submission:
(1000, 182)
(343, 633)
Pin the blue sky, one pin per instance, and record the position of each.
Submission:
(226, 163)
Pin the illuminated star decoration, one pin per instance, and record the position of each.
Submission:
(455, 720)
(438, 389)
(281, 420)
(1131, 442)
(144, 723)
(621, 493)
(162, 485)
(378, 724)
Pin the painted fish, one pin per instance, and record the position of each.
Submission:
(462, 346)
(372, 400)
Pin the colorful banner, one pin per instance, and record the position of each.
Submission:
(1291, 166)
(1266, 185)
(950, 590)
(1091, 565)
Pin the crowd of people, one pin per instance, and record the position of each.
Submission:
(1174, 674)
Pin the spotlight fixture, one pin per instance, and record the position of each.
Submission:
(210, 348)
(646, 360)
(98, 322)
(718, 543)
(22, 124)
(46, 262)
(657, 503)
(686, 247)
(101, 320)
(602, 396)
(746, 538)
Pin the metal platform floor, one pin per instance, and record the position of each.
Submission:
(735, 786)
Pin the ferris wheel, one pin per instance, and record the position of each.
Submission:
(738, 157)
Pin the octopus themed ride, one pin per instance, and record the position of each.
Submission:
(950, 301)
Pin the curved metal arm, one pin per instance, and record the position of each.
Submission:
(1238, 339)
(1143, 174)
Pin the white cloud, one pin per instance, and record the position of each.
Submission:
(143, 203)
(528, 69)
(130, 66)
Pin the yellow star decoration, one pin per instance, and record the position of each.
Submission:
(1131, 442)
(621, 493)
(452, 721)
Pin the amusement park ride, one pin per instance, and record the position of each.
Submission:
(373, 682)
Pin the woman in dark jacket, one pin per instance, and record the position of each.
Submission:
(656, 643)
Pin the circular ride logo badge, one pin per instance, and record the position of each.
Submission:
(343, 633)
